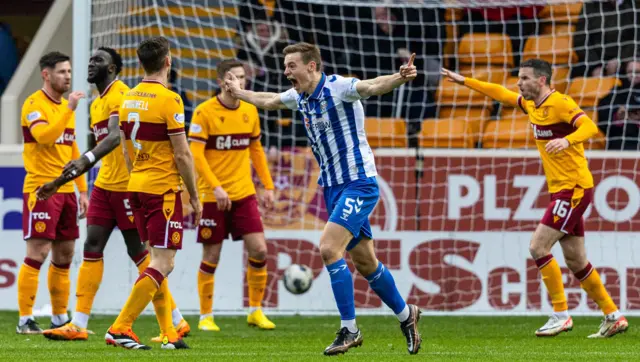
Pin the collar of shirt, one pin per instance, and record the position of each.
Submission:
(318, 90)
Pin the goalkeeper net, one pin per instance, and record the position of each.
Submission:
(461, 184)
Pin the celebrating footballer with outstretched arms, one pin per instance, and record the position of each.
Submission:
(334, 122)
(559, 127)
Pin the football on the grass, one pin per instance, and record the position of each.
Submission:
(297, 278)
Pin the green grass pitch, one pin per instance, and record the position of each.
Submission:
(304, 338)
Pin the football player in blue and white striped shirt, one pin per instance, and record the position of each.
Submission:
(334, 121)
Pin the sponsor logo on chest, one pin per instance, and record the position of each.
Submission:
(540, 133)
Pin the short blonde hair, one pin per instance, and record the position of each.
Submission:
(308, 52)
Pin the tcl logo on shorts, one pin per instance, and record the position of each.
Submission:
(175, 225)
(41, 216)
(207, 222)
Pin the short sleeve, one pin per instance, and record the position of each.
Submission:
(113, 104)
(33, 113)
(255, 133)
(290, 99)
(346, 89)
(174, 115)
(568, 111)
(199, 129)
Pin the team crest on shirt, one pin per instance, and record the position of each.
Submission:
(222, 119)
(35, 115)
(40, 226)
(323, 106)
(130, 218)
(245, 118)
(205, 233)
(177, 99)
(545, 112)
(175, 238)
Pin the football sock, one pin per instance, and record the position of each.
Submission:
(381, 281)
(89, 279)
(590, 281)
(206, 279)
(256, 281)
(342, 286)
(162, 305)
(27, 288)
(552, 278)
(142, 293)
(59, 288)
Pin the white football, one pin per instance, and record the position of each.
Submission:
(298, 278)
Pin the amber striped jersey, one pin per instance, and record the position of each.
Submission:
(45, 162)
(149, 114)
(113, 174)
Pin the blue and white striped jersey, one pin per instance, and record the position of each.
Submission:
(334, 119)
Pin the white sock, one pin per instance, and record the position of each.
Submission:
(350, 324)
(253, 309)
(562, 315)
(80, 319)
(614, 316)
(205, 316)
(176, 316)
(404, 314)
(59, 318)
(23, 320)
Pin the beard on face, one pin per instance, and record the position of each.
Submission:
(100, 74)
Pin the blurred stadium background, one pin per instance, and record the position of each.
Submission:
(461, 183)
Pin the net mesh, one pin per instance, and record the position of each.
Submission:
(427, 132)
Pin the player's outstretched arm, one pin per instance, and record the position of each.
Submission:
(386, 83)
(84, 163)
(184, 162)
(264, 100)
(494, 91)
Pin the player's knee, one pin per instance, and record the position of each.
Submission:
(329, 254)
(365, 266)
(211, 254)
(93, 245)
(258, 252)
(62, 256)
(537, 249)
(38, 254)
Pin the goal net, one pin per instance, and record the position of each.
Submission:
(461, 183)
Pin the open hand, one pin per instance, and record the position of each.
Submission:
(452, 76)
(408, 71)
(197, 209)
(557, 145)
